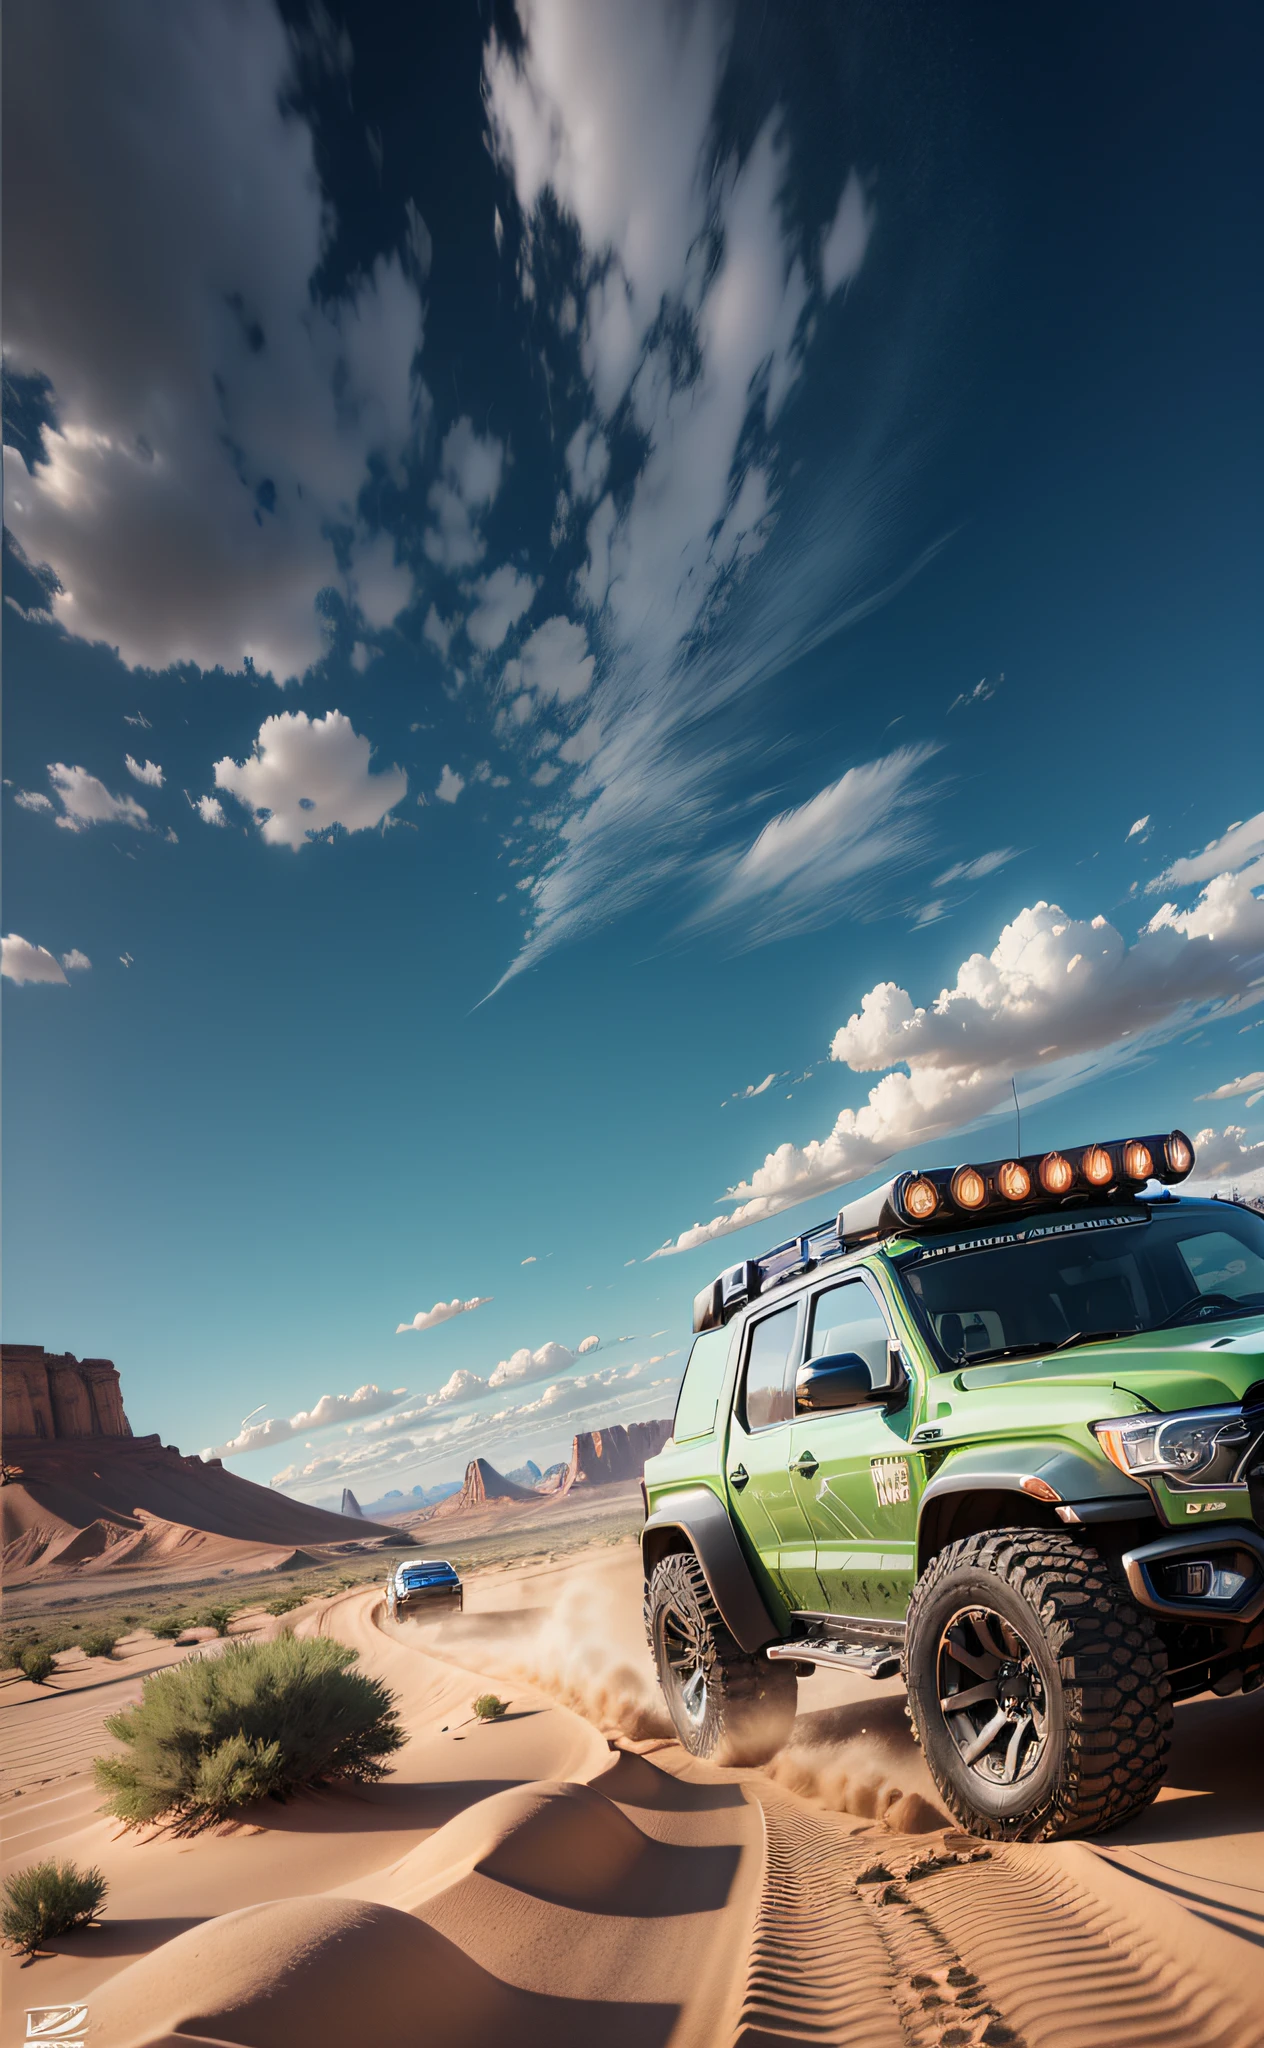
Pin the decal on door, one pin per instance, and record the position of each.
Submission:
(890, 1480)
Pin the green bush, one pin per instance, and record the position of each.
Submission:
(47, 1899)
(38, 1662)
(217, 1618)
(168, 1627)
(98, 1642)
(488, 1707)
(215, 1733)
(285, 1603)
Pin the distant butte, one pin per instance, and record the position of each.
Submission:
(80, 1494)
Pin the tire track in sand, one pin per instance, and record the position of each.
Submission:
(867, 1940)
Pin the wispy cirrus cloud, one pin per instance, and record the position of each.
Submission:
(679, 294)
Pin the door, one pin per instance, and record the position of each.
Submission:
(855, 1477)
(763, 1495)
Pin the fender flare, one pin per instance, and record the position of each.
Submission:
(1076, 1487)
(702, 1517)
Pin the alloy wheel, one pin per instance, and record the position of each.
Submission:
(992, 1696)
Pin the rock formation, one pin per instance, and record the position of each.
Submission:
(79, 1493)
(52, 1395)
(350, 1505)
(600, 1456)
(484, 1487)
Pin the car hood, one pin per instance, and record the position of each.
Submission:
(1169, 1369)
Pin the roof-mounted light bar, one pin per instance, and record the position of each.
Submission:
(946, 1196)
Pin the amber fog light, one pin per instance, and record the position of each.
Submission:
(969, 1189)
(1138, 1160)
(1180, 1153)
(921, 1199)
(1013, 1180)
(1056, 1174)
(1097, 1166)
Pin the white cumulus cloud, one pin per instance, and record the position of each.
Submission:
(307, 774)
(1053, 1000)
(20, 961)
(499, 602)
(85, 801)
(1225, 1160)
(210, 810)
(470, 469)
(32, 800)
(75, 962)
(331, 1408)
(144, 771)
(450, 785)
(218, 412)
(554, 662)
(442, 1312)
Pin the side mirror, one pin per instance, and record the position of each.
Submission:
(844, 1381)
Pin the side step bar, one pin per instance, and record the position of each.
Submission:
(871, 1660)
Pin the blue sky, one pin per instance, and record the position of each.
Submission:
(562, 562)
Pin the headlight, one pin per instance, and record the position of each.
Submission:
(1202, 1445)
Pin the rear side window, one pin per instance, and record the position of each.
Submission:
(699, 1393)
(847, 1318)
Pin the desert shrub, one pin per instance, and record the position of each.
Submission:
(12, 1645)
(214, 1733)
(488, 1707)
(217, 1618)
(285, 1603)
(168, 1627)
(47, 1899)
(38, 1662)
(98, 1642)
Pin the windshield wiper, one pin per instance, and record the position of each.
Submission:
(1093, 1337)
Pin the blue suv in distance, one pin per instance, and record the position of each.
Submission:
(422, 1585)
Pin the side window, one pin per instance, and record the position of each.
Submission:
(847, 1318)
(765, 1395)
(700, 1388)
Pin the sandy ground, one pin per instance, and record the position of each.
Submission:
(569, 1874)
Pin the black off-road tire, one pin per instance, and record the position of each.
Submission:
(1095, 1657)
(726, 1706)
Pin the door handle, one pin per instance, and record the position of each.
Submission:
(805, 1465)
(738, 1477)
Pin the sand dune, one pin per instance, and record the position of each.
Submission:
(522, 1879)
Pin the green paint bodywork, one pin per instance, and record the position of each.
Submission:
(845, 1538)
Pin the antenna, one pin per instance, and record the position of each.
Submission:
(1018, 1114)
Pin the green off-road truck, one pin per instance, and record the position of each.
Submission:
(1001, 1428)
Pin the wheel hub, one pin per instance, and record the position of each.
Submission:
(992, 1696)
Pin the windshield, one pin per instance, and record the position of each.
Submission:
(1058, 1281)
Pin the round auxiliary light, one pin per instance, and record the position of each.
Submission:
(969, 1189)
(1180, 1153)
(1013, 1180)
(1138, 1160)
(921, 1199)
(1056, 1174)
(1097, 1166)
